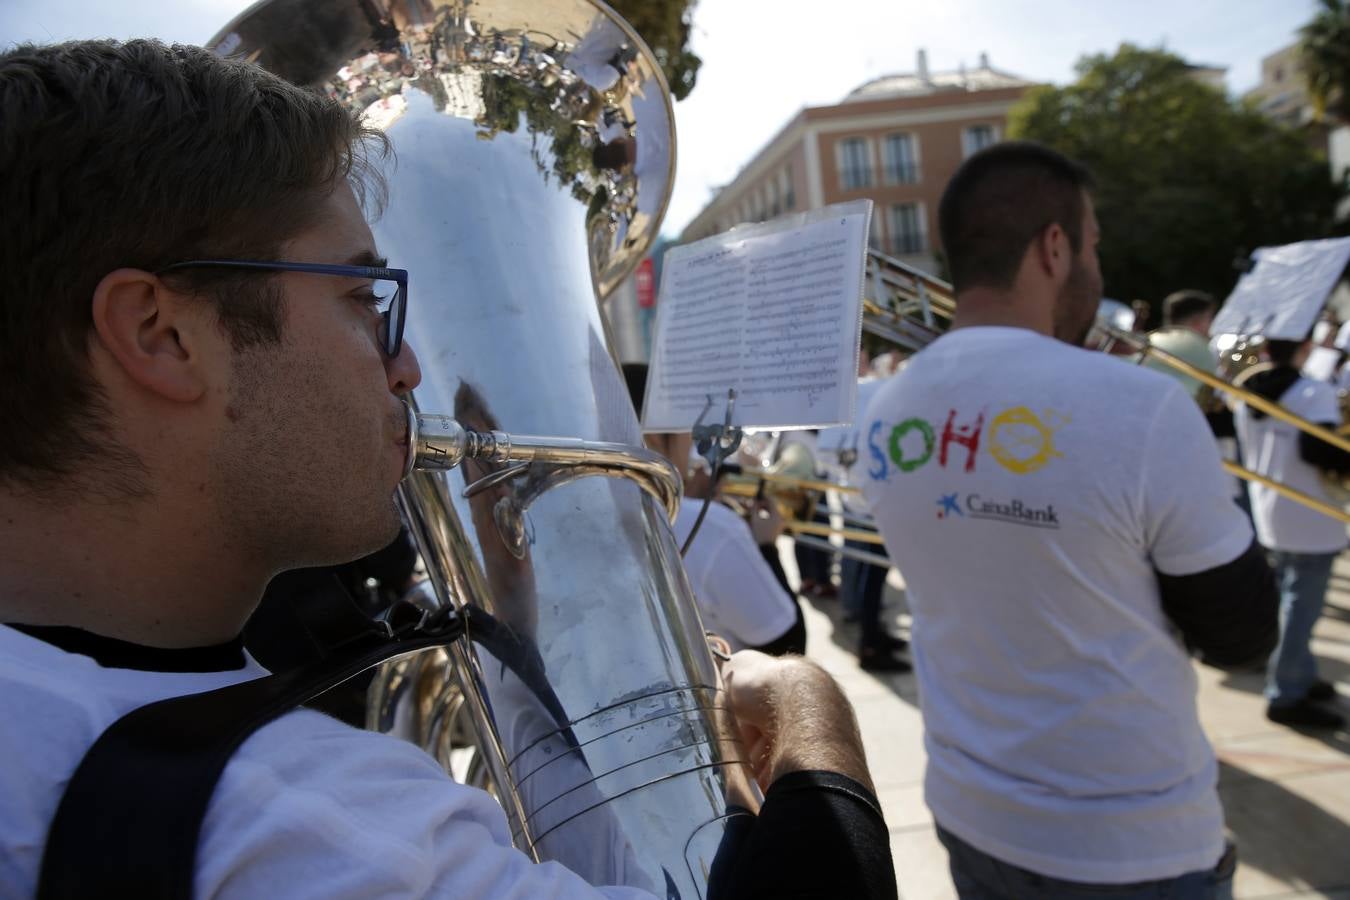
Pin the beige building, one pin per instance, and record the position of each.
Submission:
(1283, 96)
(896, 140)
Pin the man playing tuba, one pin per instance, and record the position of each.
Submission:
(176, 434)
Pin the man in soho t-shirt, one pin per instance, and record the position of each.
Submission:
(1058, 517)
(1302, 542)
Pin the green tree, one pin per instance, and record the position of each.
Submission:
(665, 26)
(1324, 46)
(1187, 182)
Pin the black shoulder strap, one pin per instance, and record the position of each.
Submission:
(130, 818)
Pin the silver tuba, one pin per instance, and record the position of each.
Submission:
(534, 145)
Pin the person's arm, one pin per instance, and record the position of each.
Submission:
(793, 717)
(325, 810)
(1317, 402)
(820, 832)
(1228, 613)
(1213, 580)
(1318, 453)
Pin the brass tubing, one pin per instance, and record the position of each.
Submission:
(789, 481)
(1269, 407)
(1294, 494)
(852, 534)
(846, 551)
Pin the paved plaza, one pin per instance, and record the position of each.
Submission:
(1286, 795)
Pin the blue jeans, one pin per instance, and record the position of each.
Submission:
(978, 876)
(861, 586)
(1303, 580)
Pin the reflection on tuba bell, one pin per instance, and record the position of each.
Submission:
(534, 150)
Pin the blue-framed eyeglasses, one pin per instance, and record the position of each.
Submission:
(392, 318)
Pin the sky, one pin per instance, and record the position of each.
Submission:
(765, 59)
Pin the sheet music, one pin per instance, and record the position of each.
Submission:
(773, 311)
(1285, 291)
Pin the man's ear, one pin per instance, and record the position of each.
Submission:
(143, 326)
(1054, 256)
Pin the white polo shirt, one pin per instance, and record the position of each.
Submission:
(1270, 447)
(1029, 491)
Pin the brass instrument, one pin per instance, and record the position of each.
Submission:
(1270, 408)
(906, 305)
(534, 158)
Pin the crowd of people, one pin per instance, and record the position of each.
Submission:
(1066, 533)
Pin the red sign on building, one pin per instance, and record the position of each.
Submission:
(646, 284)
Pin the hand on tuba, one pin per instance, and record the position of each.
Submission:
(792, 717)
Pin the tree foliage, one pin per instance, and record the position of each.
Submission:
(1324, 47)
(665, 26)
(1187, 182)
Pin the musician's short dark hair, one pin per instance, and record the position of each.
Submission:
(1182, 306)
(999, 201)
(140, 155)
(1282, 352)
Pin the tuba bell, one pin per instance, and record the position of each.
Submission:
(534, 148)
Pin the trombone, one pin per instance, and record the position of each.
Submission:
(750, 485)
(1270, 408)
(908, 293)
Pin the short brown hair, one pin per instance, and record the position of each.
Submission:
(139, 154)
(999, 201)
(1182, 306)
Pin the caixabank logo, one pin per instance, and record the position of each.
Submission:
(981, 506)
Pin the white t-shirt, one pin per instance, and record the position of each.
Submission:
(307, 807)
(738, 596)
(1028, 490)
(1270, 448)
(849, 437)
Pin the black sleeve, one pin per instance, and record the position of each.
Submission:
(819, 836)
(1318, 453)
(1230, 613)
(1221, 423)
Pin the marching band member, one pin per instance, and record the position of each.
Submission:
(1302, 542)
(173, 438)
(1187, 316)
(738, 594)
(1057, 517)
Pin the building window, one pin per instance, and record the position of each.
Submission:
(977, 137)
(874, 239)
(855, 164)
(900, 155)
(908, 231)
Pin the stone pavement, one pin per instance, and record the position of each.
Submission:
(1286, 795)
